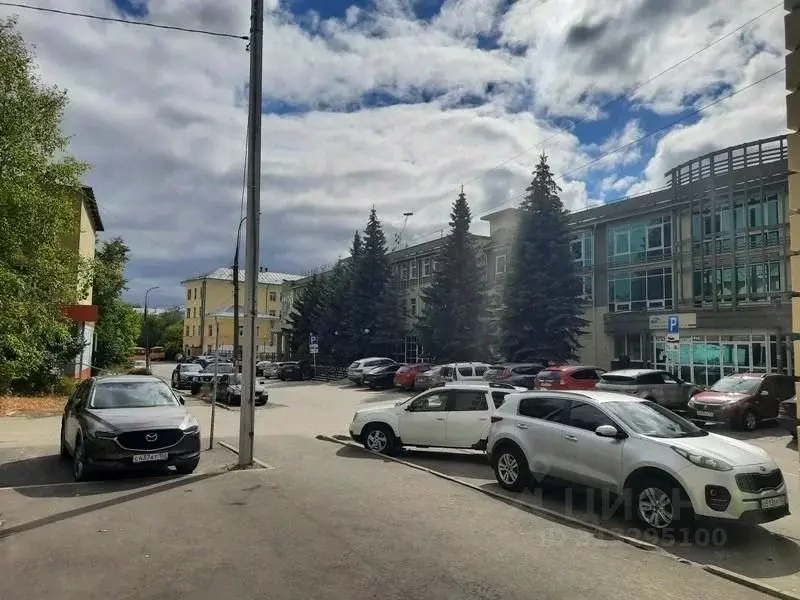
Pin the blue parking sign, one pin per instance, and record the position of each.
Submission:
(673, 324)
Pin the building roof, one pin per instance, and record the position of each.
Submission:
(264, 277)
(227, 312)
(91, 207)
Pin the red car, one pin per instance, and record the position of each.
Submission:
(406, 375)
(568, 377)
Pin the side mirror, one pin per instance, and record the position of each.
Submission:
(608, 431)
(764, 393)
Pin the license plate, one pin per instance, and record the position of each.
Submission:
(774, 502)
(156, 456)
(704, 413)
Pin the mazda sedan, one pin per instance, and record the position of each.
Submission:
(127, 422)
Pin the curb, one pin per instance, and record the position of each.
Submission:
(743, 580)
(235, 450)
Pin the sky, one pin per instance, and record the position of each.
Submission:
(388, 103)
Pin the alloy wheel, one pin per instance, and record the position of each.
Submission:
(508, 468)
(750, 421)
(655, 507)
(377, 441)
(78, 462)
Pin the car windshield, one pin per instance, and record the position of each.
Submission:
(736, 385)
(650, 419)
(219, 367)
(193, 368)
(132, 394)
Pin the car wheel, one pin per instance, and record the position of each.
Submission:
(80, 470)
(510, 468)
(379, 438)
(187, 468)
(749, 420)
(63, 450)
(659, 503)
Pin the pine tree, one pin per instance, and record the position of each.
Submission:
(334, 332)
(450, 327)
(370, 282)
(305, 316)
(542, 310)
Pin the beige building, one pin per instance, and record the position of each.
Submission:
(209, 305)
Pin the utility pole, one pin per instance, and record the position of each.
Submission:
(247, 413)
(214, 391)
(236, 296)
(146, 330)
(202, 316)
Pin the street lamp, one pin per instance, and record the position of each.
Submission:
(236, 294)
(146, 330)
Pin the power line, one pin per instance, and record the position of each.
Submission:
(610, 102)
(125, 21)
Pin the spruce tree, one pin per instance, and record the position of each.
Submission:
(305, 316)
(450, 327)
(542, 310)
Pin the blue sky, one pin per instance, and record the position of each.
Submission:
(391, 103)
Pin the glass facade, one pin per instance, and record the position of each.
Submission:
(587, 286)
(640, 241)
(731, 227)
(753, 283)
(582, 247)
(703, 359)
(640, 290)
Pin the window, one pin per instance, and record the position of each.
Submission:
(446, 372)
(188, 294)
(404, 272)
(480, 370)
(582, 248)
(753, 284)
(629, 345)
(426, 267)
(547, 408)
(436, 402)
(258, 330)
(414, 269)
(413, 303)
(194, 312)
(241, 330)
(641, 241)
(272, 313)
(188, 313)
(649, 289)
(585, 375)
(465, 371)
(650, 379)
(585, 416)
(187, 331)
(435, 266)
(195, 293)
(499, 398)
(210, 330)
(500, 264)
(469, 401)
(193, 330)
(586, 287)
(273, 297)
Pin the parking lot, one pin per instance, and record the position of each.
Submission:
(37, 488)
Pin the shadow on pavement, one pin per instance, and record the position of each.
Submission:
(765, 430)
(752, 550)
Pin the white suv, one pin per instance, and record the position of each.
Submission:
(455, 416)
(656, 460)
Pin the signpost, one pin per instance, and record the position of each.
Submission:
(313, 347)
(673, 348)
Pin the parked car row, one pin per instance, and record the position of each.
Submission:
(666, 469)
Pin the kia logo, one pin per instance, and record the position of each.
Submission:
(151, 437)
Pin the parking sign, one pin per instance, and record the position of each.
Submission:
(673, 324)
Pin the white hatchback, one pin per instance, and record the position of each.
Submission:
(455, 416)
(666, 469)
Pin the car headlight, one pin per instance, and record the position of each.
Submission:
(691, 403)
(103, 435)
(701, 460)
(190, 424)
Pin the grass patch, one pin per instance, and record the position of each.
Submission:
(31, 406)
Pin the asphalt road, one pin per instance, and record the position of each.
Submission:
(330, 523)
(333, 520)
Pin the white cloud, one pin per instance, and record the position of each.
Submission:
(160, 114)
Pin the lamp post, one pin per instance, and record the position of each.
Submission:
(236, 295)
(146, 330)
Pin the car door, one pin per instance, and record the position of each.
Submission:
(447, 373)
(424, 421)
(591, 459)
(675, 392)
(770, 394)
(541, 420)
(75, 404)
(467, 418)
(585, 379)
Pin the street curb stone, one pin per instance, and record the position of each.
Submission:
(235, 450)
(556, 516)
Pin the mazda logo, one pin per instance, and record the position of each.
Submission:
(151, 437)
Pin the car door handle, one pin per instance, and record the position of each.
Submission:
(483, 418)
(522, 426)
(571, 438)
(440, 418)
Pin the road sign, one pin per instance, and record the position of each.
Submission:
(312, 339)
(673, 324)
(673, 346)
(314, 348)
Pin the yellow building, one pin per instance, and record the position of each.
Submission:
(82, 240)
(209, 303)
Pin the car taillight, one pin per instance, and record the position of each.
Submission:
(782, 410)
(495, 419)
